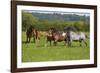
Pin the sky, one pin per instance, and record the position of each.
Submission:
(58, 12)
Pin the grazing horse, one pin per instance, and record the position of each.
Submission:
(32, 32)
(55, 36)
(72, 36)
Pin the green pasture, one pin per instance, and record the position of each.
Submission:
(38, 52)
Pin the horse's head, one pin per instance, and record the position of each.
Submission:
(63, 34)
(50, 31)
(34, 31)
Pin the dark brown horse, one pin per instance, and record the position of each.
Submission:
(29, 34)
(32, 32)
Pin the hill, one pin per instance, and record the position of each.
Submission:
(62, 17)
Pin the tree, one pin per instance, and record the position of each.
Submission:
(27, 20)
(81, 26)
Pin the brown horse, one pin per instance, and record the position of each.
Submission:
(58, 37)
(55, 36)
(49, 36)
(35, 35)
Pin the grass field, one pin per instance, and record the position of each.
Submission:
(33, 53)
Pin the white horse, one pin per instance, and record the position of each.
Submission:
(79, 36)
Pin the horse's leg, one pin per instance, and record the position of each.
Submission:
(85, 42)
(29, 39)
(34, 39)
(38, 39)
(50, 42)
(69, 43)
(46, 42)
(26, 39)
(65, 42)
(55, 42)
(80, 41)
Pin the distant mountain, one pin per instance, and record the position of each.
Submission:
(62, 17)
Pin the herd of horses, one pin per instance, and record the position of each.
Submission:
(54, 36)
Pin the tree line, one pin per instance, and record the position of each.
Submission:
(43, 25)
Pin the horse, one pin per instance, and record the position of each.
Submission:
(49, 36)
(55, 36)
(59, 37)
(72, 36)
(35, 35)
(29, 34)
(32, 32)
